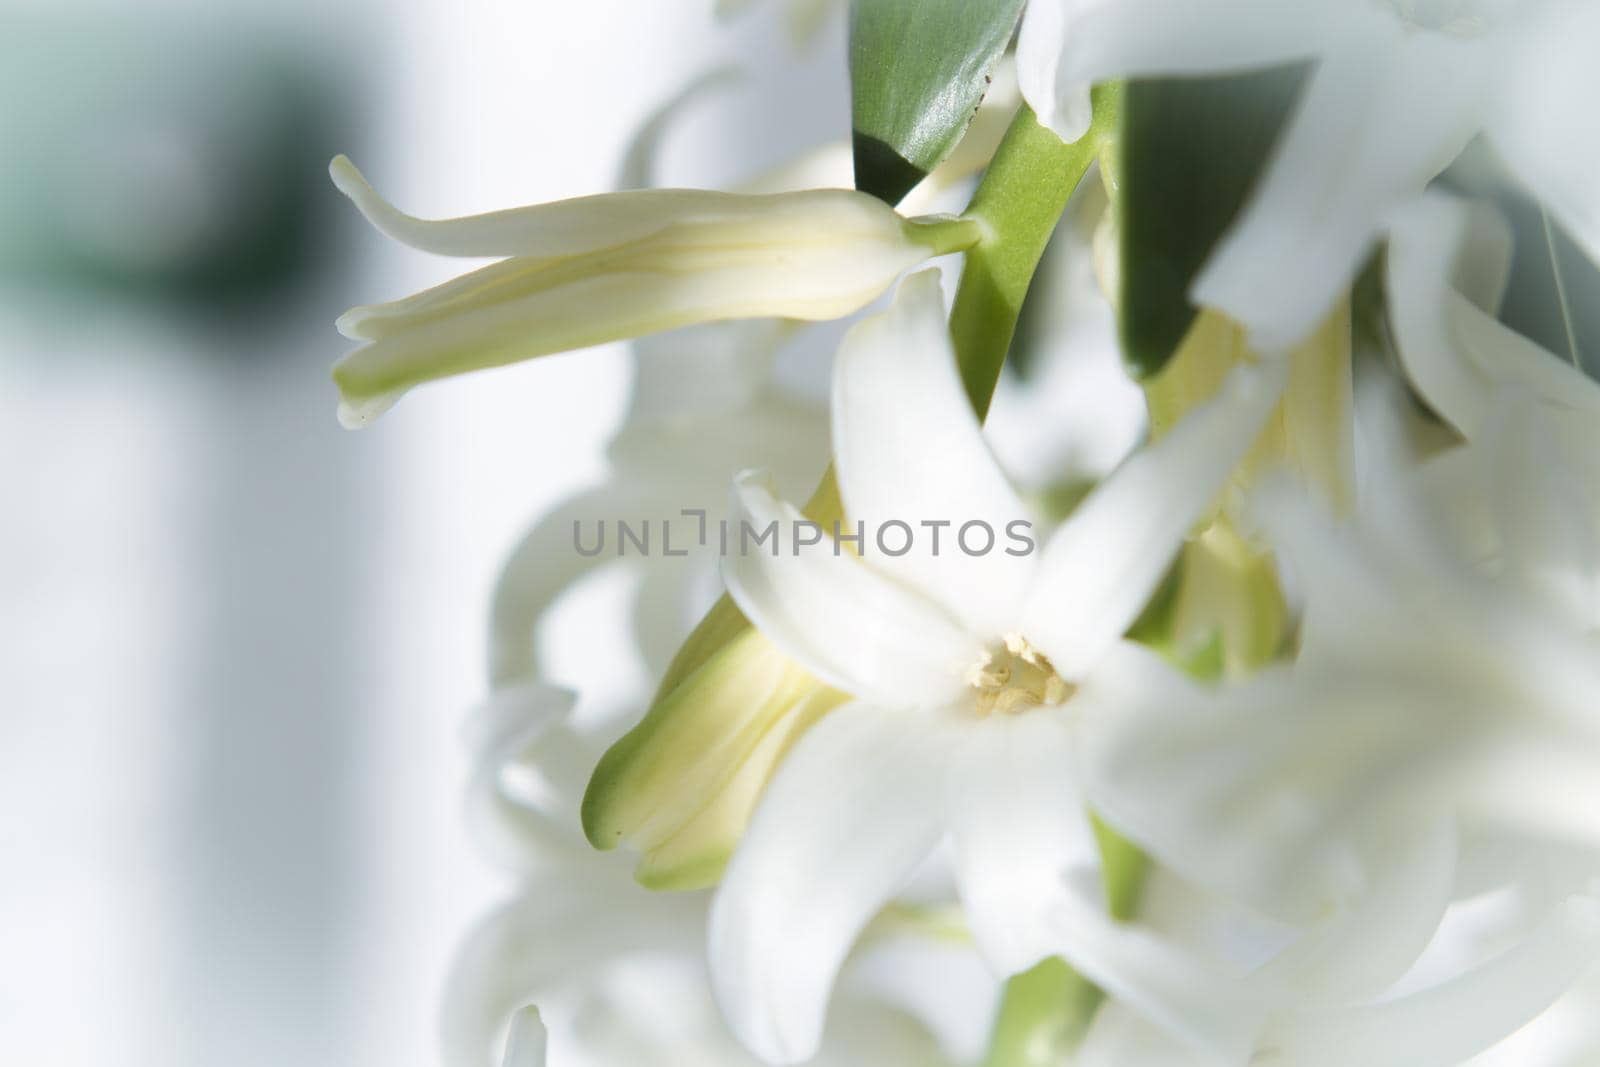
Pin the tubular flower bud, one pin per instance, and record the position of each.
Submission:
(604, 268)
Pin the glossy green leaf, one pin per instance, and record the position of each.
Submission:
(918, 71)
(1189, 151)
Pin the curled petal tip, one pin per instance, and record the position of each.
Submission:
(352, 324)
(351, 418)
(525, 1045)
(358, 414)
(346, 178)
(353, 184)
(753, 478)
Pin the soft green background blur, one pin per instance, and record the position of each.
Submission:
(237, 642)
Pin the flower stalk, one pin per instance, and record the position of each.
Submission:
(1018, 203)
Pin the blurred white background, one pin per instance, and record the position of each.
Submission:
(237, 642)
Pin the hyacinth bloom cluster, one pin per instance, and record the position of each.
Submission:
(1274, 741)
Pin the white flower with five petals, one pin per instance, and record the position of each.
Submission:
(970, 676)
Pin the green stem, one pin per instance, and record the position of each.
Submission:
(1043, 1015)
(1022, 196)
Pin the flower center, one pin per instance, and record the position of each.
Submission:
(1013, 676)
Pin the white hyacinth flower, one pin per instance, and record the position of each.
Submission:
(1431, 687)
(604, 268)
(970, 676)
(1398, 88)
(1440, 701)
(619, 973)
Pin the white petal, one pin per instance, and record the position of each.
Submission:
(849, 815)
(1359, 952)
(1541, 121)
(1212, 1013)
(357, 413)
(1121, 1037)
(604, 268)
(1131, 38)
(543, 232)
(815, 255)
(1534, 418)
(525, 1047)
(514, 718)
(828, 166)
(934, 976)
(908, 449)
(1060, 104)
(870, 1032)
(1447, 260)
(851, 626)
(1489, 693)
(545, 563)
(1362, 140)
(1018, 825)
(1135, 676)
(1268, 792)
(558, 932)
(1564, 1035)
(1453, 1021)
(374, 322)
(1224, 933)
(1100, 568)
(693, 458)
(1544, 511)
(715, 367)
(518, 728)
(1537, 780)
(1351, 613)
(638, 169)
(1446, 265)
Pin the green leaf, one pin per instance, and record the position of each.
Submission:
(1189, 152)
(918, 71)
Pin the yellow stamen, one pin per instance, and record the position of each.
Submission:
(1014, 677)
